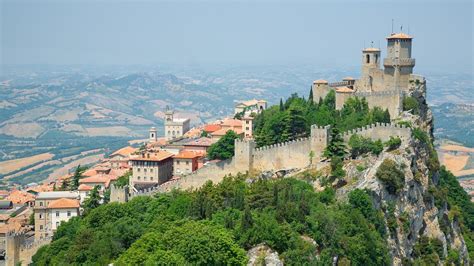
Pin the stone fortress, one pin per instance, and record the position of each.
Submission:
(384, 88)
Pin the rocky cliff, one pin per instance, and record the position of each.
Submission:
(413, 213)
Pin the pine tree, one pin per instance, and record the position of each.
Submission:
(75, 178)
(247, 220)
(336, 147)
(93, 200)
(310, 98)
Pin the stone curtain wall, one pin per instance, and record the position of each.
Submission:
(391, 100)
(291, 154)
(380, 131)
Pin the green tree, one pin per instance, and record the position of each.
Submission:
(224, 148)
(310, 97)
(282, 108)
(76, 177)
(391, 175)
(92, 201)
(336, 147)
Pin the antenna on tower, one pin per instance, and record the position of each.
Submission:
(401, 28)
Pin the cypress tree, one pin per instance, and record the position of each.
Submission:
(282, 107)
(310, 97)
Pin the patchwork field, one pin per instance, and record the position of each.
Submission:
(457, 158)
(13, 165)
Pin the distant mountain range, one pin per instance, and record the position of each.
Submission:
(64, 113)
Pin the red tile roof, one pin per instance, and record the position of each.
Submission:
(211, 128)
(125, 152)
(64, 203)
(157, 156)
(188, 155)
(84, 187)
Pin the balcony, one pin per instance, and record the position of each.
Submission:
(399, 62)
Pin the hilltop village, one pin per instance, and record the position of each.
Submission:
(180, 158)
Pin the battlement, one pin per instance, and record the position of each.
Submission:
(378, 93)
(339, 84)
(281, 144)
(382, 131)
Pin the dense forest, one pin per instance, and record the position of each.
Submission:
(293, 118)
(217, 223)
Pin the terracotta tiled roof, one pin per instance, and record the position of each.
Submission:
(20, 197)
(231, 123)
(222, 132)
(10, 227)
(250, 102)
(157, 156)
(64, 204)
(99, 179)
(400, 35)
(126, 151)
(188, 155)
(206, 142)
(344, 89)
(84, 187)
(211, 128)
(41, 188)
(320, 81)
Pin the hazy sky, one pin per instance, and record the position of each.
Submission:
(322, 33)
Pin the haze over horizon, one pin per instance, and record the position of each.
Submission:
(238, 32)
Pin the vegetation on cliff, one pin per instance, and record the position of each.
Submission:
(215, 224)
(293, 119)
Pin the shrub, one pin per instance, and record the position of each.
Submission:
(411, 104)
(376, 147)
(393, 143)
(361, 145)
(420, 135)
(391, 175)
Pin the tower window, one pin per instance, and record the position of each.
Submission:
(367, 59)
(376, 58)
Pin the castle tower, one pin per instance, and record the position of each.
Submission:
(320, 89)
(370, 60)
(319, 140)
(244, 149)
(398, 65)
(153, 136)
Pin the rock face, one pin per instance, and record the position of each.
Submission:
(413, 206)
(263, 255)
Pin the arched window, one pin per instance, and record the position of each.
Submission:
(367, 59)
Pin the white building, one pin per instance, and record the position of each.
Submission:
(175, 127)
(61, 210)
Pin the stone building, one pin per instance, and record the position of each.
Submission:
(51, 208)
(174, 127)
(251, 105)
(186, 162)
(385, 87)
(151, 168)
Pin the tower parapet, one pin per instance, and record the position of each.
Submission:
(319, 139)
(244, 150)
(320, 89)
(398, 66)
